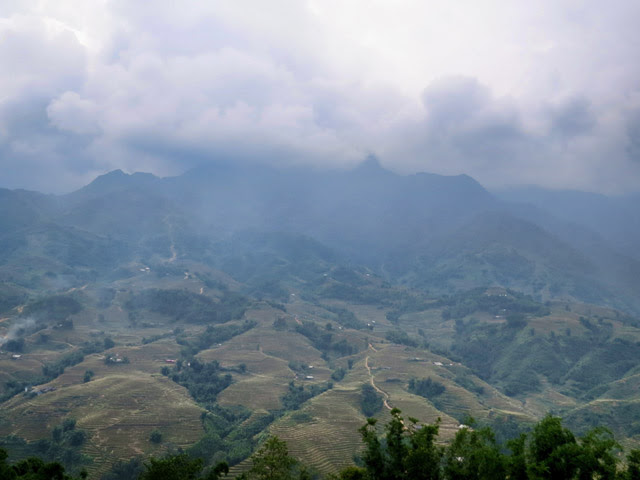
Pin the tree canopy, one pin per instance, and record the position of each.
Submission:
(408, 450)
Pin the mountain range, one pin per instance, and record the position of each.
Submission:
(439, 233)
(209, 310)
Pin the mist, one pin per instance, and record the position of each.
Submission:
(18, 329)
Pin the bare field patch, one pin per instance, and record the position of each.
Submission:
(289, 346)
(263, 392)
(557, 323)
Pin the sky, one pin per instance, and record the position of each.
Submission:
(511, 93)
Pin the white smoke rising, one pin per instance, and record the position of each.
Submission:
(18, 329)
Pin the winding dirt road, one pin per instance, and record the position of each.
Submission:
(384, 394)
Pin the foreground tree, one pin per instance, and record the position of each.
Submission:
(33, 469)
(597, 458)
(553, 451)
(174, 467)
(273, 462)
(474, 455)
(180, 467)
(408, 450)
(632, 472)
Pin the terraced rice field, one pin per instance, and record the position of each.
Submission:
(392, 366)
(328, 441)
(119, 412)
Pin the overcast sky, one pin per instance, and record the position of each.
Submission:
(509, 92)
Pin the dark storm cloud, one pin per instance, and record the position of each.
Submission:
(462, 115)
(36, 154)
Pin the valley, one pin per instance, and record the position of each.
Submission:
(207, 333)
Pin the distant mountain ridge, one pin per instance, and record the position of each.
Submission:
(442, 233)
(616, 219)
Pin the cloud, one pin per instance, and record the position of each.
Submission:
(507, 93)
(74, 114)
(572, 117)
(18, 329)
(38, 59)
(633, 135)
(461, 114)
(465, 127)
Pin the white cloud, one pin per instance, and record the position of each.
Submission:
(74, 114)
(506, 92)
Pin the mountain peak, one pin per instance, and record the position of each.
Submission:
(371, 166)
(113, 174)
(116, 179)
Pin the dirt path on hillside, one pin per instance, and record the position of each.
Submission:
(77, 288)
(385, 395)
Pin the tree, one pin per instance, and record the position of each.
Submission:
(426, 387)
(370, 401)
(216, 472)
(125, 470)
(32, 469)
(424, 456)
(516, 464)
(373, 456)
(6, 472)
(552, 451)
(56, 433)
(77, 438)
(397, 449)
(597, 459)
(272, 462)
(14, 345)
(155, 437)
(632, 472)
(68, 424)
(474, 455)
(175, 467)
(350, 473)
(409, 452)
